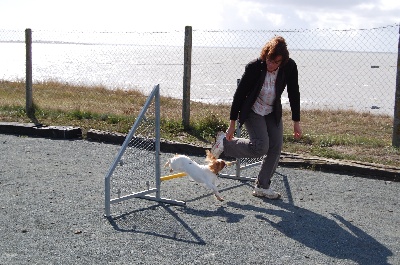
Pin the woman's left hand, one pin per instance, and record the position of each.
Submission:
(297, 133)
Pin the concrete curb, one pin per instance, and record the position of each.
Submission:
(57, 132)
(165, 146)
(355, 168)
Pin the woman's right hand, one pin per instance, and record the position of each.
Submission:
(231, 130)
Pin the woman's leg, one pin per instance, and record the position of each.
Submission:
(258, 143)
(270, 161)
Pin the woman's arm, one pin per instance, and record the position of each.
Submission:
(231, 130)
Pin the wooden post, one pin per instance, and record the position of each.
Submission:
(28, 71)
(187, 68)
(396, 116)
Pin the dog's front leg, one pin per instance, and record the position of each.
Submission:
(215, 191)
(218, 196)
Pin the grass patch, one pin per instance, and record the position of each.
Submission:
(331, 134)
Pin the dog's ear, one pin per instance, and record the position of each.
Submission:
(217, 166)
(221, 165)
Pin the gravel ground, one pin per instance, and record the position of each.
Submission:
(52, 208)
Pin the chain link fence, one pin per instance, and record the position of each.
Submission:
(338, 69)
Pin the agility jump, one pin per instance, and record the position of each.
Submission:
(140, 145)
(146, 141)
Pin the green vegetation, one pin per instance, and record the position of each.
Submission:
(331, 134)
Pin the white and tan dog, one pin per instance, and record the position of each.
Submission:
(204, 174)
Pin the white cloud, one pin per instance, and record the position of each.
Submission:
(389, 4)
(366, 6)
(156, 15)
(338, 14)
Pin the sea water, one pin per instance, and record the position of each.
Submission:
(363, 81)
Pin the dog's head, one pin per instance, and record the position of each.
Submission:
(214, 164)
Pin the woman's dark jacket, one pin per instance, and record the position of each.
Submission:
(250, 86)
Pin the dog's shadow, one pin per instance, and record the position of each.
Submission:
(221, 212)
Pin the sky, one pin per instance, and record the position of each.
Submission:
(165, 15)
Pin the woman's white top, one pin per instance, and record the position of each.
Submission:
(264, 104)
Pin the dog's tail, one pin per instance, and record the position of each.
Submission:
(230, 163)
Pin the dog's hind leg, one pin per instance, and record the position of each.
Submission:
(168, 164)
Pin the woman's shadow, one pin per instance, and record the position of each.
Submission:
(334, 237)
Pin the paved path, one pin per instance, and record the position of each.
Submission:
(52, 207)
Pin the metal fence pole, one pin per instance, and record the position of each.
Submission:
(396, 116)
(28, 82)
(187, 64)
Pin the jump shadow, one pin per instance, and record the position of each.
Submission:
(157, 220)
(147, 220)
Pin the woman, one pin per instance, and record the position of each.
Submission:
(257, 105)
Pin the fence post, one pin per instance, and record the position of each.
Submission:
(187, 68)
(396, 116)
(28, 71)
